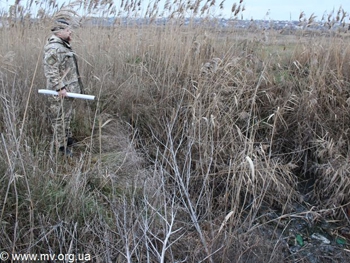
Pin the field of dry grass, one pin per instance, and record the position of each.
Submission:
(204, 145)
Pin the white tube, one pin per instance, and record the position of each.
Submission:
(69, 94)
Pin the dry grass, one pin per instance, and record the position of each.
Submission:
(198, 135)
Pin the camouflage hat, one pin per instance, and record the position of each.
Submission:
(60, 24)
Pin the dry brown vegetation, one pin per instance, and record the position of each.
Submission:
(205, 144)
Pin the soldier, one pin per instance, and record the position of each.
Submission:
(62, 74)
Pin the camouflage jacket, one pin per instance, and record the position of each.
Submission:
(60, 66)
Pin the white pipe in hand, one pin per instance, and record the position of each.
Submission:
(69, 94)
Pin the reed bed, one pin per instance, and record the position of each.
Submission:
(203, 140)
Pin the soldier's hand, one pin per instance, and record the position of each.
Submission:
(62, 93)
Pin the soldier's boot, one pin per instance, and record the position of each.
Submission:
(66, 151)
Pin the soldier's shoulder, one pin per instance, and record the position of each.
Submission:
(54, 42)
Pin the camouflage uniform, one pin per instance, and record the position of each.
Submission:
(61, 70)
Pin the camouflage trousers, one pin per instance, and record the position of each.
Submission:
(61, 112)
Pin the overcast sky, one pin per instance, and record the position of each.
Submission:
(261, 9)
(291, 9)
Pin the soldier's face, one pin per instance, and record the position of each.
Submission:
(65, 34)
